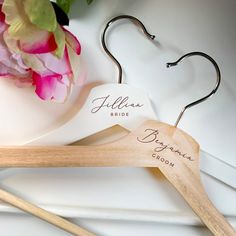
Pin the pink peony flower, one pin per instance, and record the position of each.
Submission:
(35, 50)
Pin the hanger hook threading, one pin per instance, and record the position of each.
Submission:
(218, 80)
(104, 41)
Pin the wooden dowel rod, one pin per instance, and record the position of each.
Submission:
(43, 214)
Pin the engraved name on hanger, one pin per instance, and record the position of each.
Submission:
(117, 103)
(152, 136)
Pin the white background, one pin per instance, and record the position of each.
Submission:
(180, 27)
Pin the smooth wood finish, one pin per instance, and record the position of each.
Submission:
(43, 214)
(154, 144)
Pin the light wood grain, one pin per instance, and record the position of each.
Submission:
(43, 214)
(153, 144)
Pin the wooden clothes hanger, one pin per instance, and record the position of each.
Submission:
(110, 104)
(116, 95)
(153, 144)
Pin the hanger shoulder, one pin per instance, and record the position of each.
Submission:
(105, 106)
(191, 188)
(185, 177)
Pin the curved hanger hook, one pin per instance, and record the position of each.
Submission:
(218, 80)
(104, 41)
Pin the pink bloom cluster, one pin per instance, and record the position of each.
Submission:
(34, 56)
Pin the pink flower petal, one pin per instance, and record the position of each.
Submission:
(11, 61)
(2, 16)
(75, 66)
(72, 41)
(19, 60)
(8, 72)
(55, 64)
(4, 71)
(51, 87)
(23, 82)
(39, 42)
(3, 25)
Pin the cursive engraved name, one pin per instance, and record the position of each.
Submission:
(118, 103)
(152, 136)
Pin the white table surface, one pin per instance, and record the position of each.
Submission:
(180, 26)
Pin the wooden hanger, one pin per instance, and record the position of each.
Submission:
(153, 144)
(139, 109)
(111, 104)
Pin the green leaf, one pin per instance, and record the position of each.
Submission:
(65, 5)
(41, 14)
(89, 1)
(60, 40)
